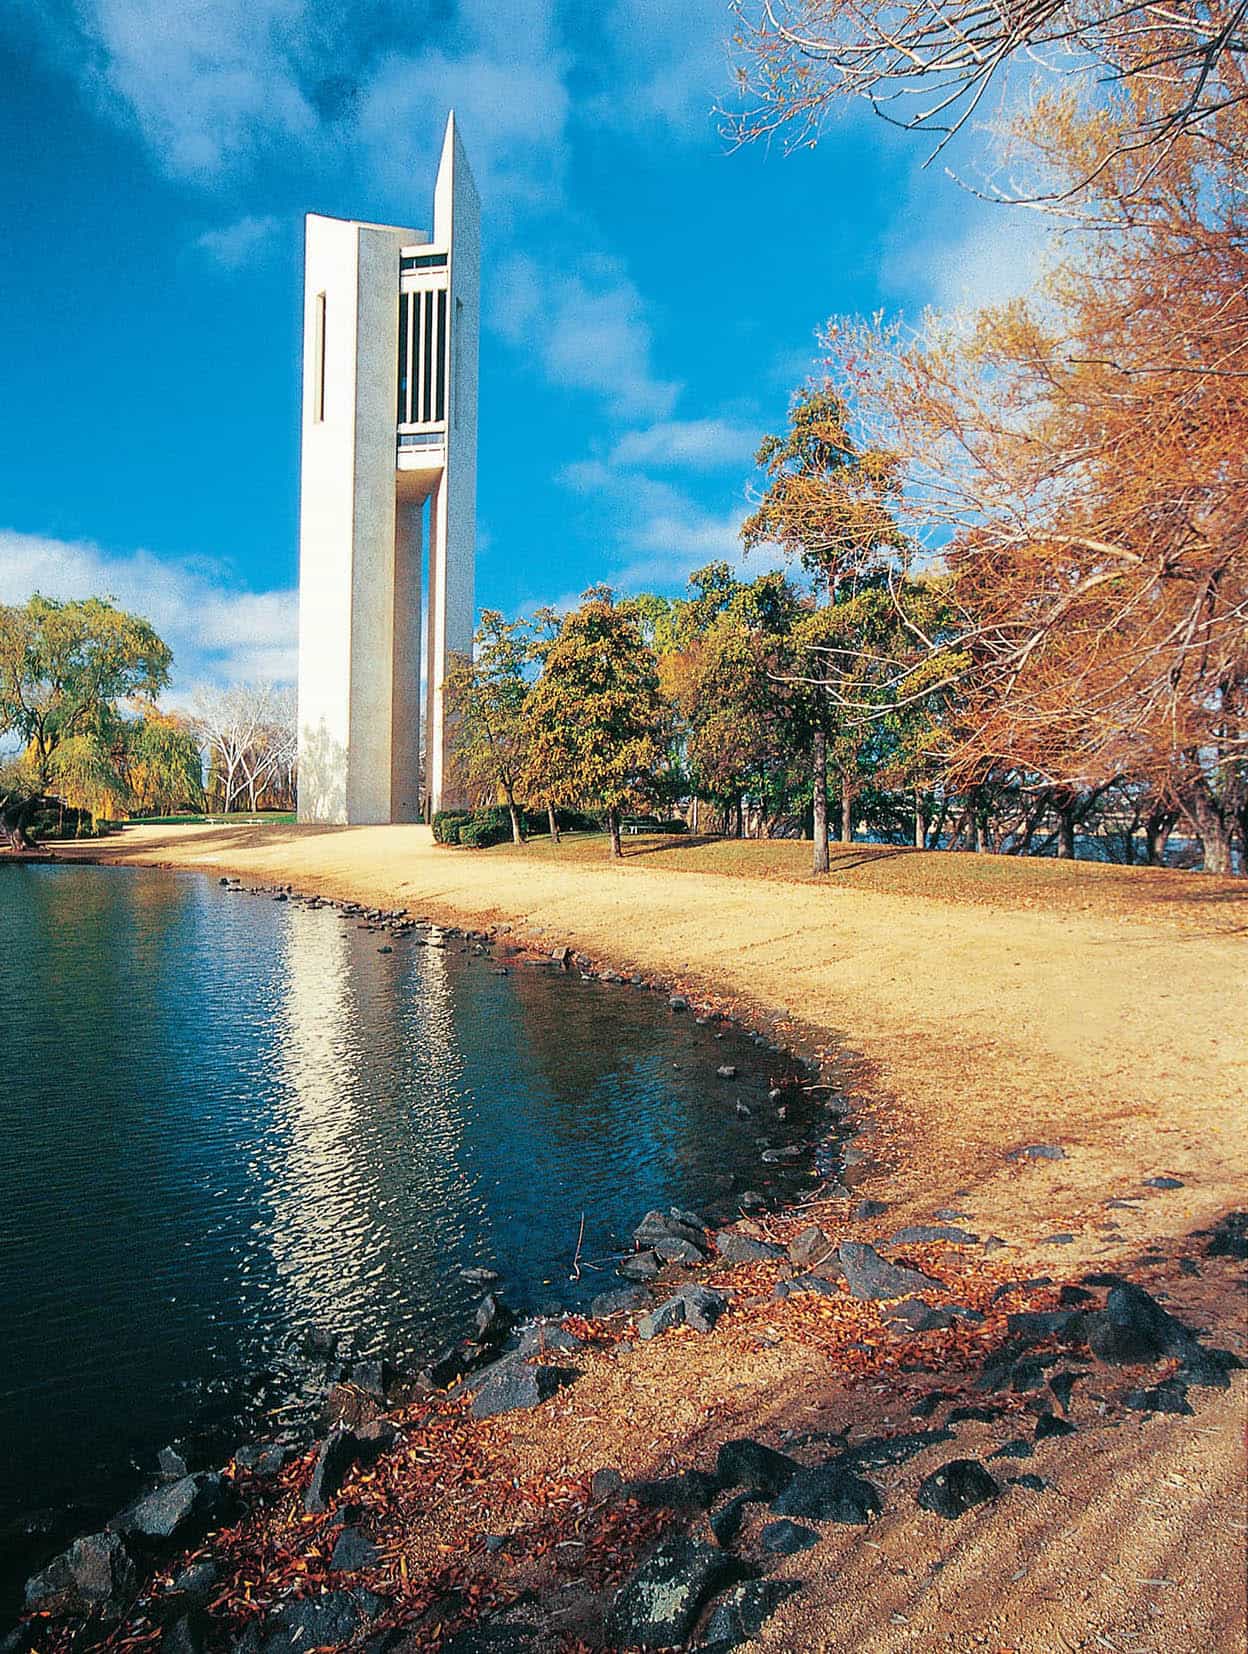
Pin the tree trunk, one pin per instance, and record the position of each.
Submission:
(1158, 826)
(1204, 810)
(554, 825)
(847, 809)
(613, 822)
(1066, 832)
(819, 778)
(517, 832)
(920, 823)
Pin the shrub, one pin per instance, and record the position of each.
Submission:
(447, 824)
(479, 831)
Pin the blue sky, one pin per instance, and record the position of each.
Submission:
(650, 297)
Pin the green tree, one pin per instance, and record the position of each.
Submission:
(597, 721)
(64, 668)
(488, 695)
(831, 505)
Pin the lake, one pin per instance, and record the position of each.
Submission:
(228, 1119)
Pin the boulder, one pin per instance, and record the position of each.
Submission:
(703, 1306)
(871, 1276)
(726, 1071)
(95, 1575)
(641, 1266)
(196, 1585)
(539, 1336)
(667, 1315)
(672, 1249)
(1163, 1183)
(188, 1634)
(493, 1320)
(913, 1315)
(603, 1483)
(180, 1513)
(344, 1404)
(670, 1225)
(658, 1605)
(319, 1622)
(811, 1248)
(829, 1492)
(785, 1155)
(956, 1488)
(740, 1614)
(1230, 1237)
(619, 1300)
(752, 1464)
(785, 1538)
(880, 1452)
(354, 1550)
(818, 1284)
(338, 1454)
(171, 1464)
(727, 1520)
(734, 1247)
(1169, 1397)
(1037, 1151)
(514, 1385)
(478, 1275)
(1048, 1424)
(869, 1209)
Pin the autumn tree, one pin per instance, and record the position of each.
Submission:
(489, 696)
(929, 65)
(597, 722)
(159, 759)
(830, 504)
(65, 669)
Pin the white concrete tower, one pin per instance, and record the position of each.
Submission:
(389, 440)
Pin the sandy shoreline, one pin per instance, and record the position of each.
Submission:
(967, 1032)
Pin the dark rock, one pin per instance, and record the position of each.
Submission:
(1033, 1326)
(726, 1522)
(829, 1493)
(1048, 1424)
(869, 1209)
(691, 1490)
(667, 1315)
(678, 1002)
(657, 1606)
(741, 1613)
(811, 1248)
(1019, 1448)
(375, 1377)
(922, 1234)
(1169, 1397)
(618, 1301)
(353, 1551)
(1119, 1205)
(1209, 1369)
(1188, 1266)
(785, 1538)
(1163, 1183)
(817, 1284)
(671, 1225)
(95, 1575)
(733, 1247)
(179, 1513)
(957, 1487)
(339, 1453)
(703, 1306)
(319, 1622)
(674, 1250)
(1036, 1484)
(1038, 1151)
(347, 1405)
(974, 1415)
(783, 1155)
(994, 1243)
(536, 1337)
(752, 1201)
(196, 1585)
(1057, 1240)
(478, 1275)
(449, 1366)
(640, 1266)
(493, 1320)
(727, 1071)
(1230, 1237)
(927, 1405)
(946, 1214)
(1062, 1384)
(913, 1315)
(171, 1463)
(879, 1452)
(603, 1483)
(746, 1463)
(871, 1276)
(513, 1385)
(1073, 1296)
(1134, 1328)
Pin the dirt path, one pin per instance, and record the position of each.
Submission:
(969, 1031)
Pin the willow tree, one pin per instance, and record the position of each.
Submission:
(596, 719)
(64, 670)
(830, 504)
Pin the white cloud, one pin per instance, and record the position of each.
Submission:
(218, 631)
(587, 331)
(205, 83)
(234, 245)
(669, 66)
(698, 444)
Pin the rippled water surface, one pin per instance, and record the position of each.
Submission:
(226, 1119)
